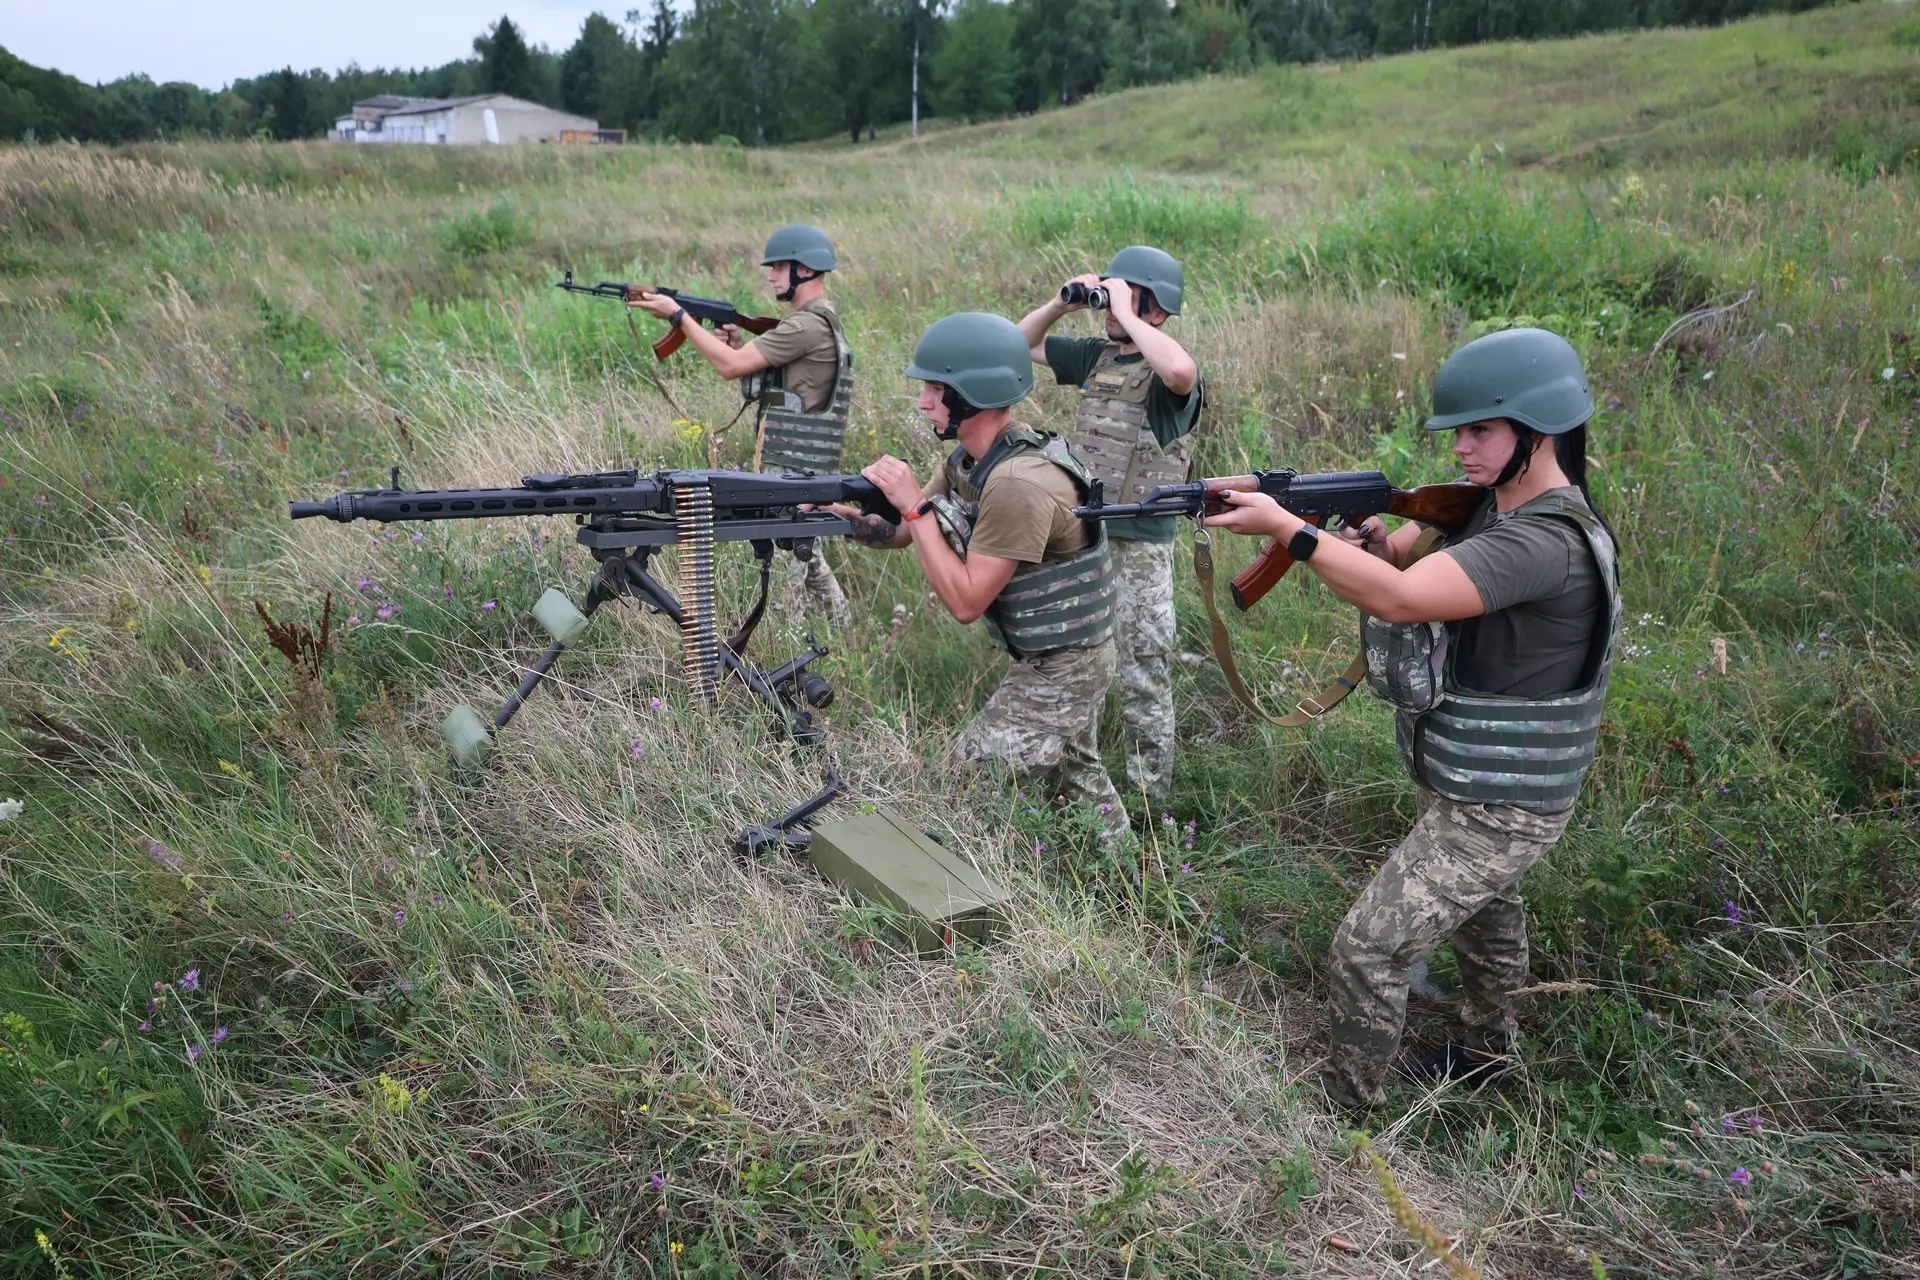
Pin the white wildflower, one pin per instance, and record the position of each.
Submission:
(10, 809)
(1886, 374)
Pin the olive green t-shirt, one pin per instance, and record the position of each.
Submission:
(1545, 603)
(802, 348)
(1170, 416)
(1026, 512)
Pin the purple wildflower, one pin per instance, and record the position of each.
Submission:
(144, 1026)
(653, 704)
(163, 855)
(190, 981)
(1726, 1124)
(286, 915)
(639, 748)
(399, 917)
(365, 583)
(219, 1034)
(1735, 912)
(436, 899)
(194, 1052)
(655, 1181)
(1740, 1176)
(488, 606)
(384, 611)
(1578, 1194)
(1185, 867)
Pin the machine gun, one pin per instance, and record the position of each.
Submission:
(708, 311)
(623, 519)
(1330, 499)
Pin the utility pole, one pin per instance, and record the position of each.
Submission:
(916, 75)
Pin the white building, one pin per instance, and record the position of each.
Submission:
(486, 117)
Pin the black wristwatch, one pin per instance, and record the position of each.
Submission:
(1303, 544)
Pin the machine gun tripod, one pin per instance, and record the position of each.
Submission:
(791, 691)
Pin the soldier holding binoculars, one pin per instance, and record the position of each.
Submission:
(1140, 396)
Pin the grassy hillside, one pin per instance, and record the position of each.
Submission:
(283, 994)
(1792, 85)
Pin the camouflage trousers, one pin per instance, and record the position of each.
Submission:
(1143, 632)
(812, 589)
(1456, 877)
(1041, 726)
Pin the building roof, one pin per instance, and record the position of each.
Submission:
(416, 106)
(386, 102)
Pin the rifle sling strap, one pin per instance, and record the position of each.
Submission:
(1309, 709)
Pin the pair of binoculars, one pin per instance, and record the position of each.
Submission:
(1074, 293)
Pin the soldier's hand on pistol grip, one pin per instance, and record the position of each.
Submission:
(1251, 512)
(735, 336)
(1370, 535)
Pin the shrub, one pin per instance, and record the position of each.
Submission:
(476, 235)
(1123, 210)
(1491, 252)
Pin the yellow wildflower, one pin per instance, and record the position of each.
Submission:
(395, 1095)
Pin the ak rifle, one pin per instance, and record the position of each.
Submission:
(1328, 499)
(708, 311)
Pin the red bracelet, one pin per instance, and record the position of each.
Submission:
(908, 517)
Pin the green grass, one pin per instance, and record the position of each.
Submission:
(535, 1020)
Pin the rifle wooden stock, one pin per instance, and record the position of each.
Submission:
(1444, 506)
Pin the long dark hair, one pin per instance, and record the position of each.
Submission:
(1569, 450)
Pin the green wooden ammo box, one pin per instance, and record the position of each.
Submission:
(883, 858)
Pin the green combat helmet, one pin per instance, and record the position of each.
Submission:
(805, 245)
(1151, 269)
(982, 358)
(1528, 376)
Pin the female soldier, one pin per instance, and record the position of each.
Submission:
(1495, 650)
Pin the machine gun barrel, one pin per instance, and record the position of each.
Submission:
(736, 495)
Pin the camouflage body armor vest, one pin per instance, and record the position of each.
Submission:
(795, 440)
(1064, 603)
(1112, 433)
(1482, 748)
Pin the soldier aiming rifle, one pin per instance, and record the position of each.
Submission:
(800, 375)
(1495, 652)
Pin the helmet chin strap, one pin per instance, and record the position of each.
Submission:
(1522, 459)
(793, 283)
(958, 411)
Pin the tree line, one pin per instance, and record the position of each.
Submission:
(773, 71)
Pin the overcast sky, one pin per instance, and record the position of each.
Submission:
(213, 42)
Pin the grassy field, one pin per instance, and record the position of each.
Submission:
(281, 994)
